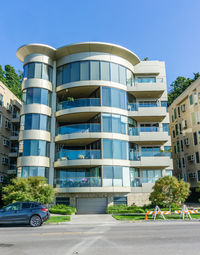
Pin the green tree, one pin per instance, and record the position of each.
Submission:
(11, 79)
(179, 85)
(6, 181)
(168, 190)
(28, 189)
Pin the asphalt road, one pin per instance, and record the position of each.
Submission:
(92, 238)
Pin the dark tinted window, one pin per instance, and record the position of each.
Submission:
(35, 205)
(26, 205)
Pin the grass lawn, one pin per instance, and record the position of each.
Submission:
(56, 219)
(141, 217)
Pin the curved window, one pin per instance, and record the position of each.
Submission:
(27, 171)
(113, 97)
(116, 149)
(36, 96)
(38, 70)
(114, 123)
(35, 121)
(94, 70)
(34, 148)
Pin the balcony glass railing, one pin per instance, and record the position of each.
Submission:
(78, 154)
(137, 131)
(135, 106)
(137, 182)
(70, 182)
(83, 102)
(136, 156)
(78, 128)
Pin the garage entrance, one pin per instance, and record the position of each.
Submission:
(91, 205)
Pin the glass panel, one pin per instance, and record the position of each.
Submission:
(146, 79)
(117, 176)
(117, 149)
(114, 72)
(126, 176)
(44, 96)
(28, 121)
(107, 122)
(116, 123)
(75, 71)
(66, 74)
(42, 148)
(35, 121)
(115, 98)
(122, 75)
(45, 74)
(94, 70)
(25, 71)
(31, 70)
(38, 70)
(129, 78)
(106, 96)
(36, 95)
(50, 73)
(59, 76)
(105, 71)
(43, 122)
(107, 148)
(107, 175)
(125, 150)
(84, 71)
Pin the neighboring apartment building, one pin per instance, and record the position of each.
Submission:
(94, 122)
(185, 134)
(9, 130)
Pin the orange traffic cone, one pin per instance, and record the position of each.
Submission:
(146, 218)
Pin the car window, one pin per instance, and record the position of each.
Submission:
(26, 205)
(34, 205)
(13, 207)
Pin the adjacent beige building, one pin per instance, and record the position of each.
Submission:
(9, 130)
(185, 134)
(94, 121)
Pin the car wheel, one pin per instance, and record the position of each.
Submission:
(35, 221)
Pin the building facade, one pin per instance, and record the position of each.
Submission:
(94, 121)
(9, 130)
(185, 134)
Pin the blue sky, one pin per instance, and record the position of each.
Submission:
(161, 30)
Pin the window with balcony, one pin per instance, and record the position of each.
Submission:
(113, 97)
(117, 176)
(114, 123)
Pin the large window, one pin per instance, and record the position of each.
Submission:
(146, 79)
(94, 70)
(35, 121)
(36, 96)
(38, 70)
(116, 176)
(114, 98)
(116, 149)
(34, 171)
(114, 123)
(34, 148)
(150, 176)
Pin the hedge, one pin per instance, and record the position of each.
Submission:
(62, 209)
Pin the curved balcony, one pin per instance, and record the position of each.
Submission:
(78, 154)
(82, 102)
(74, 182)
(79, 128)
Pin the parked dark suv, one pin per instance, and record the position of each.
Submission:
(31, 213)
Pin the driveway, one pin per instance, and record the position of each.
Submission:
(92, 219)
